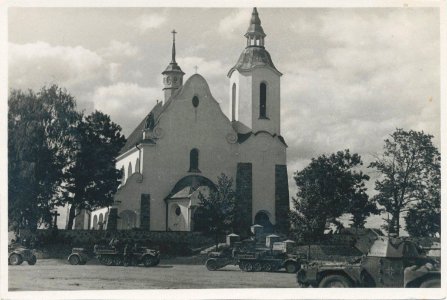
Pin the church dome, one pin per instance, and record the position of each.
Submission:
(253, 57)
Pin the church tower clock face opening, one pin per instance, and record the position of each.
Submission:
(186, 142)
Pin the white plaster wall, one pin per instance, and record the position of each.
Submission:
(243, 96)
(123, 161)
(184, 128)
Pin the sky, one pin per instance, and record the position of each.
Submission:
(351, 76)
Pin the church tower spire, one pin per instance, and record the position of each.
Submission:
(255, 34)
(255, 84)
(173, 74)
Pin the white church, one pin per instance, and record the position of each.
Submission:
(186, 141)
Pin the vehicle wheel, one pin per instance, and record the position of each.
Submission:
(257, 267)
(15, 259)
(431, 283)
(148, 261)
(74, 260)
(335, 281)
(291, 267)
(211, 265)
(249, 267)
(267, 267)
(32, 261)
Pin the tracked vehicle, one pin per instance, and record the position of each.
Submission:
(111, 256)
(251, 258)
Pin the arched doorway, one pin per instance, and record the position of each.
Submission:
(262, 218)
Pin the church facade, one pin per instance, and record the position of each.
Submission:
(186, 142)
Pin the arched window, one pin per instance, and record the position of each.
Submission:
(194, 160)
(263, 101)
(137, 166)
(233, 102)
(123, 175)
(129, 170)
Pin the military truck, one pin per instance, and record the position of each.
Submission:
(386, 262)
(252, 258)
(112, 256)
(17, 254)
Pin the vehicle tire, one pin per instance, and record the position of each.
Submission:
(15, 259)
(211, 265)
(291, 267)
(32, 261)
(335, 281)
(257, 267)
(249, 267)
(431, 283)
(267, 267)
(148, 261)
(74, 260)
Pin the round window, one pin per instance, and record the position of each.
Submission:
(178, 211)
(195, 101)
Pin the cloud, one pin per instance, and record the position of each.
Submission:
(33, 65)
(119, 50)
(235, 22)
(149, 21)
(126, 103)
(207, 68)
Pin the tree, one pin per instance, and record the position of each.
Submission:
(410, 178)
(327, 188)
(215, 214)
(93, 178)
(40, 141)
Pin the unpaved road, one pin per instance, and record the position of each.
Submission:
(52, 274)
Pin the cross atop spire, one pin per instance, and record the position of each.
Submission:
(173, 45)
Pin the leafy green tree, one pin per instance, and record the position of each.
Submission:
(216, 211)
(410, 170)
(327, 188)
(40, 142)
(93, 178)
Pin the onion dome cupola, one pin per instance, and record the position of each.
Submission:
(173, 74)
(254, 54)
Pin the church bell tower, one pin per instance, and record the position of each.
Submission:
(255, 83)
(173, 74)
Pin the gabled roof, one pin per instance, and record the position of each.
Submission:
(136, 136)
(157, 111)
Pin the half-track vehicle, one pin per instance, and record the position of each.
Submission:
(113, 256)
(17, 254)
(251, 258)
(78, 256)
(386, 262)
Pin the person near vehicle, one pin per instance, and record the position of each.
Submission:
(128, 253)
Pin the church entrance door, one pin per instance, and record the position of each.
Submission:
(263, 219)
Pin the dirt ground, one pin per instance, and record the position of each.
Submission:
(53, 274)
